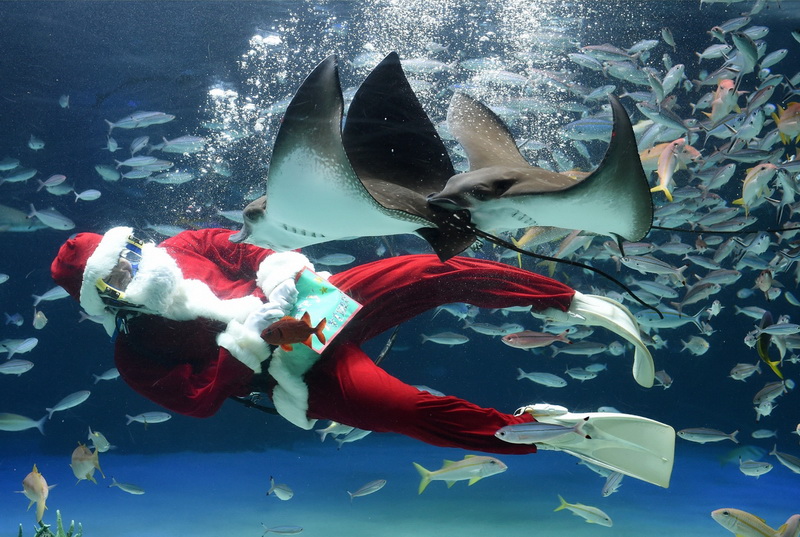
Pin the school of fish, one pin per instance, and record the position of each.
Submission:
(717, 130)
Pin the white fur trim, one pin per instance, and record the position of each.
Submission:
(99, 265)
(245, 345)
(159, 285)
(279, 267)
(290, 396)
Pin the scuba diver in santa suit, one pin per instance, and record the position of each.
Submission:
(189, 314)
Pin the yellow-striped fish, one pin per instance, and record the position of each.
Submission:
(591, 515)
(742, 523)
(472, 468)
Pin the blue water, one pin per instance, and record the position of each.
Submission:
(209, 477)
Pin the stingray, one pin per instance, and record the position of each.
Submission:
(387, 172)
(372, 178)
(503, 192)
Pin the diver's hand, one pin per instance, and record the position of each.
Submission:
(284, 295)
(259, 320)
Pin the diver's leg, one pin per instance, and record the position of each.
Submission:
(397, 289)
(349, 388)
(394, 290)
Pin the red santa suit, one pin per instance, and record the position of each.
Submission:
(195, 353)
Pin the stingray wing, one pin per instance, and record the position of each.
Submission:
(313, 194)
(503, 191)
(398, 155)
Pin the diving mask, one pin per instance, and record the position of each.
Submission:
(112, 287)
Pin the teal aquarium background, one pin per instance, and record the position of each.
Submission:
(226, 71)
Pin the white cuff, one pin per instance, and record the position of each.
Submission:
(245, 345)
(279, 267)
(290, 396)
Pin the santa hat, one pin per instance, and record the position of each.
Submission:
(83, 260)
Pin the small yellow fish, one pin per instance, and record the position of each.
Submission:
(788, 122)
(84, 463)
(99, 441)
(742, 523)
(39, 319)
(35, 488)
(472, 468)
(667, 163)
(591, 515)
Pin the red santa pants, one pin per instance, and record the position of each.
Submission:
(346, 386)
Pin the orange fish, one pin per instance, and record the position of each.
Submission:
(289, 330)
(788, 122)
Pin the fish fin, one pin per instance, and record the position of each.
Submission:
(474, 480)
(450, 483)
(663, 189)
(286, 347)
(318, 330)
(563, 505)
(97, 463)
(306, 318)
(774, 366)
(308, 343)
(446, 463)
(426, 477)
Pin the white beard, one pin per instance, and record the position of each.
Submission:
(160, 287)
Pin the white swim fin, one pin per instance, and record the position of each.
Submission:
(635, 446)
(601, 311)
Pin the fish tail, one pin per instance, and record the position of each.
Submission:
(563, 337)
(663, 189)
(563, 505)
(96, 461)
(733, 436)
(318, 330)
(773, 364)
(130, 420)
(521, 374)
(425, 475)
(110, 126)
(40, 507)
(40, 424)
